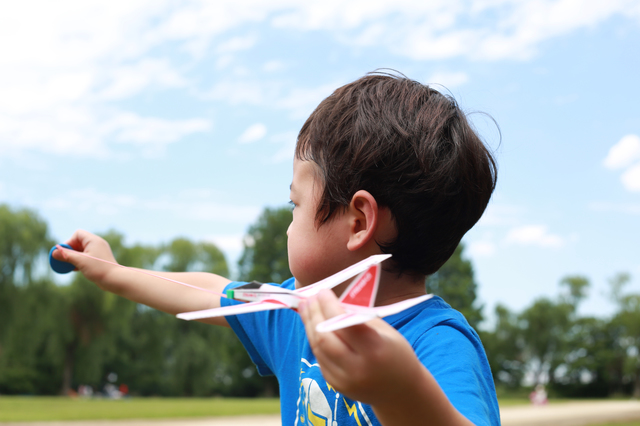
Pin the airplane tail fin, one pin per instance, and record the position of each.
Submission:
(363, 290)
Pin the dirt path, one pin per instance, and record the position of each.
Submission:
(571, 413)
(564, 414)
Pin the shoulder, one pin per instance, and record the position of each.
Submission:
(265, 334)
(416, 322)
(451, 350)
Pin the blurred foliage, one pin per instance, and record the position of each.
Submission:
(54, 338)
(454, 282)
(265, 258)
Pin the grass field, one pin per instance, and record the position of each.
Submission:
(61, 408)
(25, 409)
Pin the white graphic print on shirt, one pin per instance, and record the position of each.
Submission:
(314, 407)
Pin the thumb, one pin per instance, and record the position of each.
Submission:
(61, 258)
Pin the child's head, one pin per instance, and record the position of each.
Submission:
(413, 149)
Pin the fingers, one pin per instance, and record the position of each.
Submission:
(92, 245)
(81, 240)
(315, 310)
(329, 304)
(58, 254)
(332, 353)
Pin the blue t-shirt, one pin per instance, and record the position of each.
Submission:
(440, 336)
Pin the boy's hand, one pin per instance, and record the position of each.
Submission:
(374, 364)
(141, 287)
(360, 360)
(92, 245)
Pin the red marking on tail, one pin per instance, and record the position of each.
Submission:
(363, 291)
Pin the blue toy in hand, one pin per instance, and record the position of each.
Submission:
(58, 265)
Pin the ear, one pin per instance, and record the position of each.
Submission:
(363, 220)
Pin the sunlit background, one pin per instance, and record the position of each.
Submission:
(164, 118)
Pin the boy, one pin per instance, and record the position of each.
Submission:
(383, 165)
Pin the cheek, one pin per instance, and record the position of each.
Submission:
(302, 254)
(297, 253)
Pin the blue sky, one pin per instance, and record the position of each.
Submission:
(162, 118)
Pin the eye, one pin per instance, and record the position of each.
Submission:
(292, 204)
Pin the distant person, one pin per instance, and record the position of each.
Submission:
(124, 389)
(539, 395)
(383, 165)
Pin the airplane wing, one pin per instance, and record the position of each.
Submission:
(287, 298)
(358, 314)
(343, 321)
(232, 310)
(342, 276)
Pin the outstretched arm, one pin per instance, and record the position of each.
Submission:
(374, 364)
(154, 292)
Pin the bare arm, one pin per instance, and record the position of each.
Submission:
(154, 292)
(374, 364)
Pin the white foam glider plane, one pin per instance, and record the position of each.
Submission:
(357, 300)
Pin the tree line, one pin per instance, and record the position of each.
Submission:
(54, 338)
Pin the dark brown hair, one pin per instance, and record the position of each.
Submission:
(413, 149)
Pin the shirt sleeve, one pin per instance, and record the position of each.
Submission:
(263, 334)
(454, 361)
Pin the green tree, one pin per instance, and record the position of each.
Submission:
(593, 366)
(25, 301)
(201, 359)
(98, 322)
(265, 259)
(31, 359)
(23, 240)
(544, 327)
(265, 256)
(455, 283)
(504, 347)
(577, 287)
(628, 319)
(184, 255)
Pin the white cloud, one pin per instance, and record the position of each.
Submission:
(90, 201)
(298, 101)
(623, 153)
(287, 140)
(244, 92)
(127, 80)
(302, 101)
(627, 208)
(487, 30)
(501, 214)
(481, 248)
(254, 133)
(273, 66)
(191, 205)
(228, 243)
(129, 127)
(534, 235)
(448, 79)
(236, 44)
(60, 67)
(631, 178)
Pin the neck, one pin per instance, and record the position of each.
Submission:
(396, 288)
